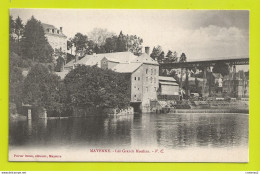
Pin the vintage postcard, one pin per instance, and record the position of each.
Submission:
(128, 85)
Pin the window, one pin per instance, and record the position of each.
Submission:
(58, 31)
(146, 89)
(48, 30)
(138, 89)
(52, 30)
(155, 89)
(147, 79)
(146, 71)
(135, 78)
(139, 78)
(151, 80)
(154, 71)
(151, 71)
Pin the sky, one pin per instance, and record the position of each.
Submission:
(200, 34)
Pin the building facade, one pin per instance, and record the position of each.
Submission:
(55, 37)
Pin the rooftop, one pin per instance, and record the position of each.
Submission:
(62, 74)
(145, 58)
(50, 27)
(127, 68)
(90, 60)
(119, 57)
(164, 78)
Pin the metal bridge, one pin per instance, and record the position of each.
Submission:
(206, 63)
(205, 66)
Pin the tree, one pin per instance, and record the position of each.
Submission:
(175, 57)
(15, 88)
(80, 42)
(183, 58)
(12, 44)
(41, 89)
(18, 29)
(15, 84)
(99, 36)
(111, 44)
(172, 56)
(11, 26)
(17, 61)
(34, 44)
(69, 45)
(134, 44)
(156, 52)
(60, 64)
(169, 56)
(59, 53)
(90, 47)
(94, 87)
(121, 42)
(221, 68)
(61, 58)
(161, 57)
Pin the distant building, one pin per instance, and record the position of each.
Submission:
(55, 37)
(168, 89)
(143, 70)
(236, 85)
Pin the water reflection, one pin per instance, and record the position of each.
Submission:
(173, 131)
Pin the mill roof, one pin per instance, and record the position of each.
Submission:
(169, 83)
(90, 60)
(126, 68)
(145, 58)
(164, 78)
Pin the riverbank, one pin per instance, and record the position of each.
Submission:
(244, 111)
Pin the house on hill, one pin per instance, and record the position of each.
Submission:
(55, 37)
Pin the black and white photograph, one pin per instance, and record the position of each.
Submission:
(121, 85)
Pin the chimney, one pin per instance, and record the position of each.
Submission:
(61, 29)
(147, 50)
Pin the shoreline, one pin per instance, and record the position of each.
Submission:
(242, 111)
(171, 111)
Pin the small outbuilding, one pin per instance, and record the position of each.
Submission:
(168, 88)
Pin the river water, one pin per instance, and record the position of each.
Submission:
(169, 131)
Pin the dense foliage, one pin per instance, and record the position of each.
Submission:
(42, 88)
(102, 41)
(156, 52)
(183, 58)
(95, 87)
(15, 87)
(34, 44)
(221, 68)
